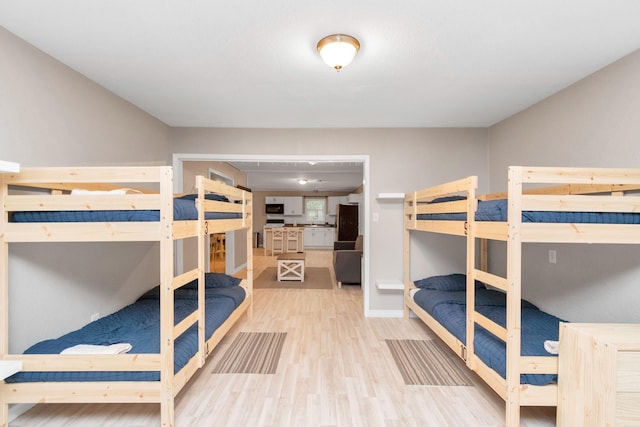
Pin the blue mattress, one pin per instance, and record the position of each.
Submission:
(184, 208)
(496, 210)
(449, 309)
(139, 325)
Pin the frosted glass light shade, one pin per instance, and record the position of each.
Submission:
(338, 50)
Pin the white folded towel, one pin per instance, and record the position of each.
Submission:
(117, 191)
(552, 346)
(98, 349)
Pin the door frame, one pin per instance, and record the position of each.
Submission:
(179, 158)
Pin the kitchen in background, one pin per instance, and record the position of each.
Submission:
(319, 232)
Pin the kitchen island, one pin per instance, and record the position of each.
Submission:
(292, 240)
(297, 239)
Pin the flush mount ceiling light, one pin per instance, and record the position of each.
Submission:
(302, 181)
(338, 50)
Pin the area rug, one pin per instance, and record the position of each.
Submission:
(427, 363)
(252, 353)
(314, 278)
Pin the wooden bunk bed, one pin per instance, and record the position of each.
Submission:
(152, 215)
(567, 199)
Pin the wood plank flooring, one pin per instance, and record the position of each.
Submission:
(335, 370)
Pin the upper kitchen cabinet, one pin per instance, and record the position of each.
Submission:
(293, 205)
(274, 200)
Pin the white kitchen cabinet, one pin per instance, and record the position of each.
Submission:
(310, 237)
(319, 237)
(274, 200)
(329, 237)
(293, 205)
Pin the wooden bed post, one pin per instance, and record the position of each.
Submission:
(167, 412)
(514, 294)
(472, 205)
(203, 242)
(247, 204)
(406, 276)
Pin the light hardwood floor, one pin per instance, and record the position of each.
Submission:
(335, 370)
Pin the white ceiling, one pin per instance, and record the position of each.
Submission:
(253, 63)
(320, 176)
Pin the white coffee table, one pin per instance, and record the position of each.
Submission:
(291, 266)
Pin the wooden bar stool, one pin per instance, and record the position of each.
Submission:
(277, 241)
(217, 248)
(292, 241)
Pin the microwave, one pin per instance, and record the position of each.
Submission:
(274, 208)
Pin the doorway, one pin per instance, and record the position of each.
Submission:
(179, 158)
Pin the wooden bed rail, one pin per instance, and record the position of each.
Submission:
(419, 202)
(573, 181)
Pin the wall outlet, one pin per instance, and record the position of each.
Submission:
(95, 316)
(552, 256)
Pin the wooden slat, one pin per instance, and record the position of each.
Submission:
(81, 203)
(447, 189)
(184, 278)
(458, 206)
(223, 225)
(456, 228)
(83, 392)
(580, 233)
(184, 229)
(185, 324)
(490, 326)
(87, 175)
(531, 395)
(82, 232)
(570, 189)
(555, 175)
(581, 203)
(538, 365)
(491, 230)
(491, 279)
(217, 206)
(96, 362)
(217, 187)
(491, 377)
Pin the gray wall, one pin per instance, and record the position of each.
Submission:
(51, 115)
(593, 123)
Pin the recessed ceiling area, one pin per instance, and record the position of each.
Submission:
(254, 64)
(321, 176)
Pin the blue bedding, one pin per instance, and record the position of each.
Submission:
(138, 324)
(496, 210)
(184, 208)
(449, 309)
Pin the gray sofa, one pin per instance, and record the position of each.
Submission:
(347, 257)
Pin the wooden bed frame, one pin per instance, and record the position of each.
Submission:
(166, 232)
(575, 189)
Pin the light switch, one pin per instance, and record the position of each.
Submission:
(376, 217)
